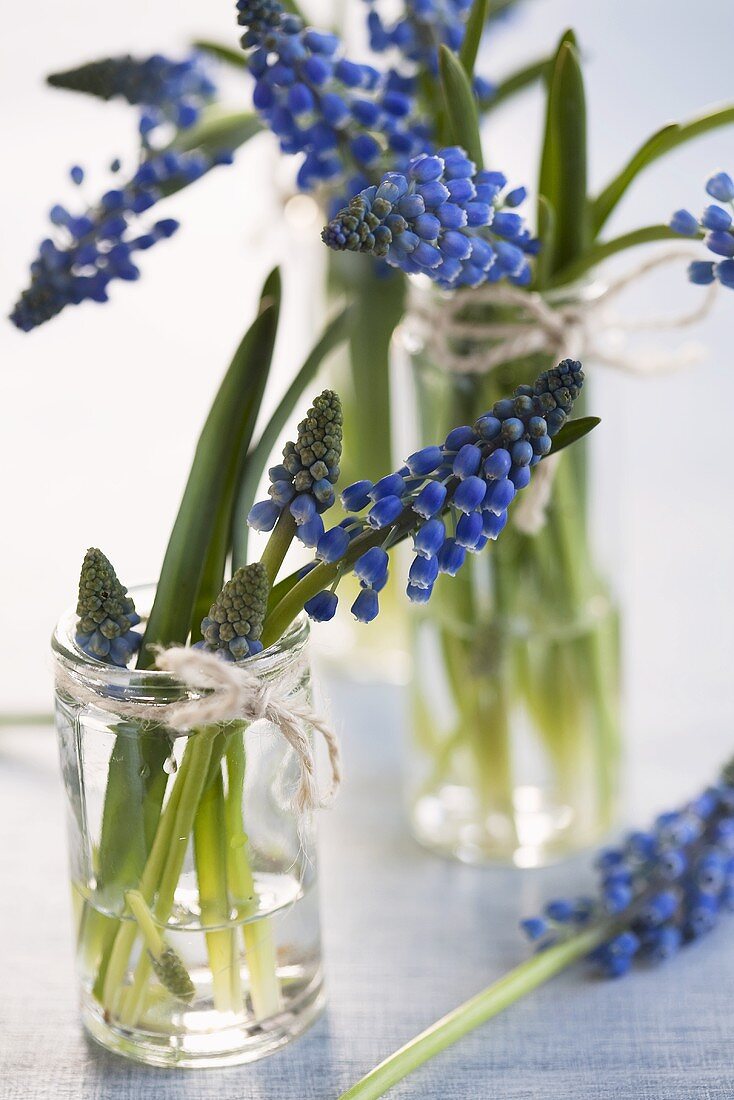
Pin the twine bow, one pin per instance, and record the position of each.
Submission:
(231, 692)
(576, 329)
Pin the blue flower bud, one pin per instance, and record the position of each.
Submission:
(497, 465)
(303, 508)
(715, 217)
(429, 538)
(389, 486)
(451, 557)
(418, 595)
(488, 427)
(311, 531)
(721, 187)
(459, 437)
(371, 568)
(366, 606)
(322, 607)
(469, 530)
(721, 244)
(725, 273)
(356, 497)
(430, 499)
(493, 524)
(685, 223)
(467, 461)
(384, 512)
(424, 461)
(333, 544)
(470, 494)
(534, 927)
(500, 495)
(522, 452)
(263, 516)
(423, 572)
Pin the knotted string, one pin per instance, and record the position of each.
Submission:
(574, 329)
(232, 692)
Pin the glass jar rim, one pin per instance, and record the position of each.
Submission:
(157, 684)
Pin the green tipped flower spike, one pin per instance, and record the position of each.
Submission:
(235, 620)
(302, 486)
(167, 965)
(106, 613)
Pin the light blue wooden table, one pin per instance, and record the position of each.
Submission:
(406, 937)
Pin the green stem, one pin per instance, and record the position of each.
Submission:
(474, 1012)
(277, 546)
(210, 854)
(261, 958)
(593, 256)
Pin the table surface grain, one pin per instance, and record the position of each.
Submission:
(406, 937)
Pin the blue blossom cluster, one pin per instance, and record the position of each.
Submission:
(106, 614)
(717, 223)
(441, 218)
(94, 248)
(341, 115)
(170, 91)
(659, 889)
(417, 33)
(304, 482)
(235, 621)
(453, 498)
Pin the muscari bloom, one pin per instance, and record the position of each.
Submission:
(453, 498)
(417, 33)
(717, 224)
(93, 248)
(441, 218)
(304, 481)
(106, 614)
(235, 620)
(343, 116)
(168, 90)
(658, 890)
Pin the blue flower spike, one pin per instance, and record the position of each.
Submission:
(304, 482)
(441, 218)
(342, 117)
(467, 486)
(657, 890)
(106, 614)
(235, 620)
(716, 225)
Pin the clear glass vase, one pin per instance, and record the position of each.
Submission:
(516, 695)
(193, 879)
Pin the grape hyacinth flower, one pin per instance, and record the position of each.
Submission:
(93, 248)
(168, 90)
(106, 614)
(659, 890)
(443, 219)
(235, 621)
(304, 482)
(341, 115)
(452, 499)
(717, 225)
(417, 33)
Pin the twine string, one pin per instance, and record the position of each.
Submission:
(230, 692)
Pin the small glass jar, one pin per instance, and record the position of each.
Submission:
(193, 879)
(516, 692)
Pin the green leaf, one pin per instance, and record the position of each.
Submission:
(572, 431)
(546, 236)
(217, 131)
(601, 251)
(235, 58)
(196, 542)
(516, 82)
(660, 143)
(461, 105)
(563, 163)
(475, 25)
(334, 333)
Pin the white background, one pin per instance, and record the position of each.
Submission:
(99, 409)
